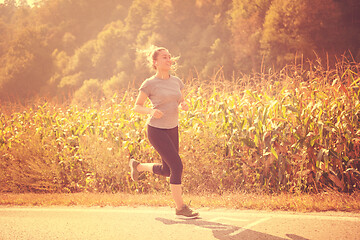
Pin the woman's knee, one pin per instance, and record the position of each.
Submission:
(166, 172)
(161, 170)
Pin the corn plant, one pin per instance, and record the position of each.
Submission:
(296, 130)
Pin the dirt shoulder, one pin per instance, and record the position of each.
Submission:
(329, 202)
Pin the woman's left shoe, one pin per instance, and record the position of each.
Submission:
(187, 213)
(134, 172)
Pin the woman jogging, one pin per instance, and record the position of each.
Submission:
(166, 94)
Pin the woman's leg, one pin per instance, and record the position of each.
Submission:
(176, 189)
(166, 146)
(163, 169)
(145, 167)
(176, 193)
(166, 143)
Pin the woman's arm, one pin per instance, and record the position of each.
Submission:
(183, 103)
(140, 108)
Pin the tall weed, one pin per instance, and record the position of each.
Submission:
(296, 130)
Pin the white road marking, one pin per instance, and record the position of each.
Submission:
(249, 226)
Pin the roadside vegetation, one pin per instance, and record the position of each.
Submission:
(321, 202)
(295, 131)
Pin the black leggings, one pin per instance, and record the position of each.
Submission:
(166, 143)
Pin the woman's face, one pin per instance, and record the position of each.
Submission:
(163, 61)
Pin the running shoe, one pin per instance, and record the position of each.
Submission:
(134, 172)
(186, 213)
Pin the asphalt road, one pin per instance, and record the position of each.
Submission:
(160, 223)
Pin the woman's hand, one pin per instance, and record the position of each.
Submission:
(184, 106)
(156, 113)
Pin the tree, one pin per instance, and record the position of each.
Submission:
(90, 91)
(136, 17)
(99, 58)
(59, 44)
(350, 23)
(246, 22)
(26, 65)
(294, 28)
(5, 33)
(7, 9)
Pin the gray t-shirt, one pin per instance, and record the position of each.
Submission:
(164, 95)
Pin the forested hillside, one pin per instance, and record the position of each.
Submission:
(88, 48)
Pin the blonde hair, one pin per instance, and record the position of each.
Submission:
(151, 53)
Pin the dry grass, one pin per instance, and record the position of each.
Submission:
(295, 131)
(332, 201)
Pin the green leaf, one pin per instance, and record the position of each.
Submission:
(273, 151)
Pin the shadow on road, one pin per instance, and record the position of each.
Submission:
(222, 231)
(296, 237)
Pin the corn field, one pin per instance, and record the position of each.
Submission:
(295, 130)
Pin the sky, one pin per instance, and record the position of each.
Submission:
(30, 2)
